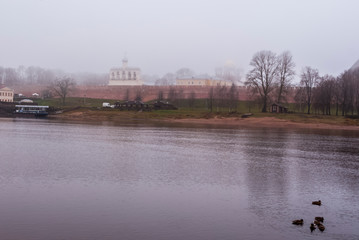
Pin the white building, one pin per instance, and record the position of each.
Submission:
(125, 76)
(6, 94)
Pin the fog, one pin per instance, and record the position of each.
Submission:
(161, 36)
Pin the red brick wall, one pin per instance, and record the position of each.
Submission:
(119, 92)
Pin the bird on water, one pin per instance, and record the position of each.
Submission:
(298, 222)
(321, 227)
(312, 227)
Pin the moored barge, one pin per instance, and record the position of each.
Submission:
(31, 110)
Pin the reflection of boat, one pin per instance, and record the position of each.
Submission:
(32, 110)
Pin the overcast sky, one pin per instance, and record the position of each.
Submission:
(161, 36)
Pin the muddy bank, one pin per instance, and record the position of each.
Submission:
(267, 122)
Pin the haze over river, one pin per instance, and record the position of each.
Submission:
(138, 181)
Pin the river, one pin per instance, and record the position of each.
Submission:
(61, 180)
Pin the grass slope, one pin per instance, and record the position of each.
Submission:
(91, 109)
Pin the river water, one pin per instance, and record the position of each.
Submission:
(151, 181)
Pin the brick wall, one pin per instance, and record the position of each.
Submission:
(119, 92)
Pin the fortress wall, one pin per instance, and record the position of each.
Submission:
(119, 92)
(147, 92)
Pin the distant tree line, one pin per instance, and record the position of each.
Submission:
(220, 98)
(223, 98)
(41, 76)
(328, 95)
(26, 75)
(270, 81)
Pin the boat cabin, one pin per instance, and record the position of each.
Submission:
(32, 109)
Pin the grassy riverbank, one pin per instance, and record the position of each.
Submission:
(90, 110)
(205, 117)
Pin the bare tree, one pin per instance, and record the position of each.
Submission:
(351, 93)
(167, 80)
(184, 73)
(346, 92)
(127, 94)
(139, 94)
(191, 99)
(309, 78)
(62, 87)
(336, 95)
(172, 95)
(323, 94)
(91, 79)
(176, 96)
(210, 100)
(11, 78)
(285, 74)
(356, 88)
(345, 85)
(220, 96)
(180, 96)
(262, 76)
(149, 79)
(229, 72)
(300, 99)
(232, 98)
(2, 75)
(160, 95)
(46, 93)
(21, 73)
(250, 96)
(31, 75)
(27, 75)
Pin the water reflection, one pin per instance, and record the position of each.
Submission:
(138, 181)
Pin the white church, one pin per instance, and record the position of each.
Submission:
(125, 76)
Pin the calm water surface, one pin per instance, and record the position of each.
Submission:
(135, 181)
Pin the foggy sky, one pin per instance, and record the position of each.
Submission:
(161, 36)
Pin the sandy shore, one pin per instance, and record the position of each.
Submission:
(267, 122)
